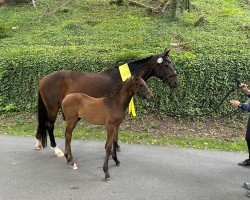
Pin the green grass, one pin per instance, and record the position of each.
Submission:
(95, 26)
(25, 125)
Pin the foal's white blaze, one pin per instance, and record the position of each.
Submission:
(38, 145)
(58, 152)
(74, 166)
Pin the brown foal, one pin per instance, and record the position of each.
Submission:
(106, 111)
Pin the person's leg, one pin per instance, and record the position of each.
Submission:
(247, 161)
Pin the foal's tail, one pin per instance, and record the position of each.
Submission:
(42, 120)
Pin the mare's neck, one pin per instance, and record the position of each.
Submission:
(144, 65)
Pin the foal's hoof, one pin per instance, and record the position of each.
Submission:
(118, 163)
(74, 166)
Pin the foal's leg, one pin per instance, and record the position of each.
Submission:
(114, 155)
(68, 134)
(108, 146)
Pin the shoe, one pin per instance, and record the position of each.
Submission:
(246, 185)
(245, 163)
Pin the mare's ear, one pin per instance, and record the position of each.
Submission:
(166, 52)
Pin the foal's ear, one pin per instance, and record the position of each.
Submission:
(140, 74)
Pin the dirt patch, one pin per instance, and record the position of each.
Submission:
(216, 128)
(220, 129)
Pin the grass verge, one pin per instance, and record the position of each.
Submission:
(25, 125)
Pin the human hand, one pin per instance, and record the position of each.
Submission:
(243, 85)
(244, 88)
(234, 103)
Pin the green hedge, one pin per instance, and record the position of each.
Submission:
(204, 81)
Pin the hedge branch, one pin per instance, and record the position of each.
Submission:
(61, 6)
(151, 9)
(167, 5)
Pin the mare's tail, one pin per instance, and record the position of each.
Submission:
(42, 120)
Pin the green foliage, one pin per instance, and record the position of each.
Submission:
(3, 30)
(204, 82)
(25, 125)
(93, 35)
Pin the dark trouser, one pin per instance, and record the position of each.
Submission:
(248, 135)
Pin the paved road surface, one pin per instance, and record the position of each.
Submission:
(146, 172)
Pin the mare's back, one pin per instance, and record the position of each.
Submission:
(65, 82)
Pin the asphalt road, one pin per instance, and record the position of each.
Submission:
(146, 172)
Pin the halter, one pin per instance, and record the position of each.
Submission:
(166, 79)
(139, 91)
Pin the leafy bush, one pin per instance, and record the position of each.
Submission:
(3, 30)
(92, 35)
(204, 82)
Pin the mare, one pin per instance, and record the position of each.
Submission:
(107, 111)
(54, 87)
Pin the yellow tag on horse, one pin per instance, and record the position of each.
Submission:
(125, 74)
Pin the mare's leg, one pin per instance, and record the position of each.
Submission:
(114, 155)
(68, 134)
(40, 130)
(52, 114)
(108, 147)
(42, 118)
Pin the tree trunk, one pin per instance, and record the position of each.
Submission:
(174, 8)
(186, 4)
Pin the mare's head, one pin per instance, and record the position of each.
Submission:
(164, 70)
(140, 87)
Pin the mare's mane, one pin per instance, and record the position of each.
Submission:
(138, 62)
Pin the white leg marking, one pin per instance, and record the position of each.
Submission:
(38, 145)
(74, 166)
(58, 152)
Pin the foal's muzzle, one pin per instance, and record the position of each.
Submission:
(146, 95)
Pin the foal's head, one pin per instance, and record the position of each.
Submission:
(140, 87)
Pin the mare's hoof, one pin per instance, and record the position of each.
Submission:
(74, 166)
(38, 145)
(58, 152)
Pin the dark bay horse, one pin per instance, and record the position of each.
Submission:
(106, 111)
(54, 87)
